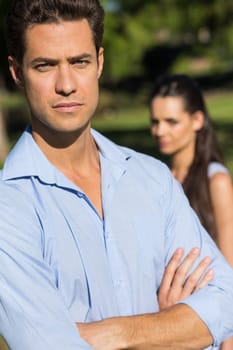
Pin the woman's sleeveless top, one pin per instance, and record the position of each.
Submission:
(215, 167)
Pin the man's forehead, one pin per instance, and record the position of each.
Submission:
(81, 25)
(75, 36)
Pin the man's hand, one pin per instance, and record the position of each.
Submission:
(176, 285)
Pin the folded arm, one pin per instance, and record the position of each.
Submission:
(174, 328)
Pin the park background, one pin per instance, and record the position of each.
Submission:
(144, 39)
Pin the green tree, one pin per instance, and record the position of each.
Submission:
(133, 26)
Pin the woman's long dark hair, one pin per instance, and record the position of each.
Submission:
(207, 150)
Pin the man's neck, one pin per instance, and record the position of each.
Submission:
(78, 161)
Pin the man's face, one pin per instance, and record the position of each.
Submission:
(59, 74)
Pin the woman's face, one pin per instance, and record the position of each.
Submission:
(173, 127)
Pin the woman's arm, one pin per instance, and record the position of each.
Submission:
(221, 192)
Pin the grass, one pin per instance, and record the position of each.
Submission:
(220, 105)
(221, 111)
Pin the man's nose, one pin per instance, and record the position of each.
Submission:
(66, 82)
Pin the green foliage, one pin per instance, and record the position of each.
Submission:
(134, 26)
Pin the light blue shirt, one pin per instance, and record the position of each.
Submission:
(60, 263)
(215, 168)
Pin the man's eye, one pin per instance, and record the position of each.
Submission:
(42, 67)
(81, 63)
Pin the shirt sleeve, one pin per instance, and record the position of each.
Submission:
(214, 303)
(215, 167)
(32, 312)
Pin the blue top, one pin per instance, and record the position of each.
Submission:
(60, 263)
(215, 168)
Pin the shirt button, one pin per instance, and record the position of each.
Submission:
(119, 283)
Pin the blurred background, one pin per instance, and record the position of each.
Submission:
(144, 39)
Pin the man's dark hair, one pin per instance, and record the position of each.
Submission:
(25, 13)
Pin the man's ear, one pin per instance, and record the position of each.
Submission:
(198, 120)
(16, 71)
(100, 61)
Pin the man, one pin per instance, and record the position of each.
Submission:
(87, 227)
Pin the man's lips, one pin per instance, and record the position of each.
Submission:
(68, 106)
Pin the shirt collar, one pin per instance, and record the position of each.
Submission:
(26, 159)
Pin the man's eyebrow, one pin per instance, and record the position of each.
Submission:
(86, 56)
(44, 59)
(69, 59)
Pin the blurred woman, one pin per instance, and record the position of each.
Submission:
(183, 129)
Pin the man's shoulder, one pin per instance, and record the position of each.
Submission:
(140, 166)
(146, 164)
(12, 194)
(128, 153)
